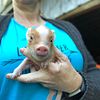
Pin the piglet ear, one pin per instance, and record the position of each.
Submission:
(53, 31)
(28, 32)
(53, 34)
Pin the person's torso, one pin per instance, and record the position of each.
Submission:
(10, 58)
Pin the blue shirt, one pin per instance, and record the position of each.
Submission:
(10, 58)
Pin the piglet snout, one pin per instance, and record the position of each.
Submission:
(42, 51)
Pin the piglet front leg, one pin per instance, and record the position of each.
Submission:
(24, 65)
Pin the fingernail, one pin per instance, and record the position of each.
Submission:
(22, 50)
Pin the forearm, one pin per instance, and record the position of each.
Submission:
(92, 87)
(92, 79)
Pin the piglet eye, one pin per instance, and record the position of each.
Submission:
(51, 40)
(31, 37)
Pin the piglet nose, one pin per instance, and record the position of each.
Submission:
(42, 51)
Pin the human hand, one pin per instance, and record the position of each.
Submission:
(58, 75)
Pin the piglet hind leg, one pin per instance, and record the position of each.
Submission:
(52, 93)
(59, 95)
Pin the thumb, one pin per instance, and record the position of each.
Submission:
(26, 52)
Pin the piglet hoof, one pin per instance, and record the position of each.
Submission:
(12, 76)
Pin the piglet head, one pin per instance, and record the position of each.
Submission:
(40, 43)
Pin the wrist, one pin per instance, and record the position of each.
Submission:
(80, 91)
(76, 83)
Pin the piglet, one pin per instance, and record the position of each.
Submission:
(42, 50)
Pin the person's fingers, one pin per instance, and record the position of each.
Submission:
(54, 67)
(60, 56)
(38, 76)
